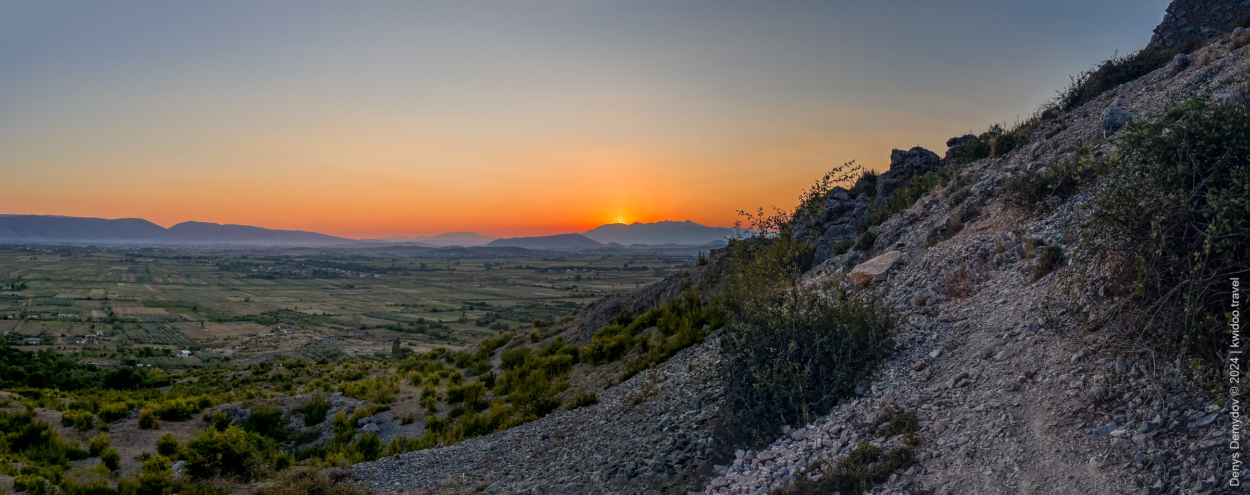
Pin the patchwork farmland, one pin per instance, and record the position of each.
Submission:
(148, 305)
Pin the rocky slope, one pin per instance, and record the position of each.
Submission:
(650, 434)
(1011, 395)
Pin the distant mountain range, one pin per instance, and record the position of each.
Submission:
(53, 229)
(665, 232)
(559, 241)
(462, 239)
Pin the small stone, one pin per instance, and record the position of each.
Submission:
(1104, 430)
(935, 353)
(918, 366)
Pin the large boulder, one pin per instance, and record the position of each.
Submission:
(1115, 117)
(904, 165)
(876, 269)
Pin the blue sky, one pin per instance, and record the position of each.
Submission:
(405, 118)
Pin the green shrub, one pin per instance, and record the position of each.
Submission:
(218, 420)
(377, 389)
(866, 183)
(156, 476)
(895, 421)
(31, 484)
(115, 411)
(315, 410)
(905, 197)
(21, 434)
(844, 246)
(862, 469)
(1030, 190)
(609, 344)
(958, 197)
(234, 454)
(368, 446)
(266, 421)
(111, 459)
(82, 420)
(470, 394)
(1173, 218)
(1113, 72)
(791, 350)
(180, 409)
(148, 421)
(582, 399)
(167, 445)
(1051, 258)
(98, 444)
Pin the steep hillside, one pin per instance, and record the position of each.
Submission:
(1014, 366)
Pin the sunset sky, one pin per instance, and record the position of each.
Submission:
(373, 119)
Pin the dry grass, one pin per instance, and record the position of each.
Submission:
(959, 284)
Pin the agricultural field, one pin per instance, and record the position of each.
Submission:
(146, 304)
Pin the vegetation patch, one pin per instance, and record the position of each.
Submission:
(1172, 218)
(791, 350)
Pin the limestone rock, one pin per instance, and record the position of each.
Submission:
(876, 269)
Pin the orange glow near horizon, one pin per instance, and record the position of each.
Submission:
(391, 179)
(368, 120)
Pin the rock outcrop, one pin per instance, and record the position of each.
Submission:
(843, 218)
(903, 166)
(1199, 20)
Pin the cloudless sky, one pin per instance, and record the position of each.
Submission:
(371, 119)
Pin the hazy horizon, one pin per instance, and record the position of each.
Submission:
(513, 119)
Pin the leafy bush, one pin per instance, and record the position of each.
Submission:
(1051, 258)
(23, 436)
(905, 197)
(377, 389)
(1031, 189)
(111, 459)
(115, 411)
(218, 420)
(315, 410)
(180, 409)
(156, 476)
(82, 420)
(98, 444)
(1173, 219)
(791, 350)
(895, 421)
(582, 399)
(31, 484)
(1113, 72)
(609, 344)
(167, 445)
(148, 421)
(862, 469)
(368, 446)
(234, 454)
(266, 421)
(865, 184)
